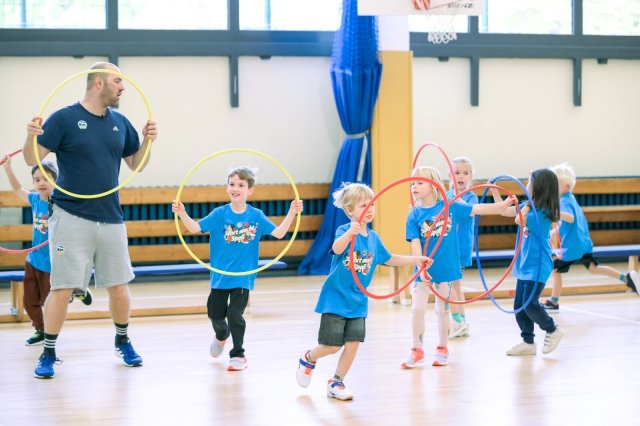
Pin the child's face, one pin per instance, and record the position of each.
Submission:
(238, 189)
(422, 191)
(41, 184)
(463, 175)
(361, 204)
(564, 187)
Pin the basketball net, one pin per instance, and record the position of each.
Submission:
(441, 16)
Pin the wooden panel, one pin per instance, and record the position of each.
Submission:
(16, 232)
(9, 199)
(206, 194)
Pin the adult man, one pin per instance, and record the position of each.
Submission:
(90, 140)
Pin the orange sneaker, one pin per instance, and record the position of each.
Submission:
(441, 357)
(415, 359)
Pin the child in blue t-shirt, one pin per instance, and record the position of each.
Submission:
(234, 243)
(38, 266)
(342, 304)
(575, 242)
(463, 169)
(446, 260)
(534, 264)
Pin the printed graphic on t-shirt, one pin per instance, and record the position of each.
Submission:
(41, 224)
(241, 233)
(362, 261)
(424, 228)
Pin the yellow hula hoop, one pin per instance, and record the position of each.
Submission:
(44, 105)
(184, 182)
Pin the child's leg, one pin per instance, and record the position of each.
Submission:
(237, 303)
(523, 291)
(346, 359)
(442, 312)
(420, 297)
(557, 286)
(534, 310)
(596, 269)
(457, 310)
(217, 312)
(33, 299)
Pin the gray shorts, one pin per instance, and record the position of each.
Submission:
(336, 330)
(77, 246)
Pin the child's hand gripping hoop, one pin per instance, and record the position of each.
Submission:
(364, 212)
(44, 105)
(196, 167)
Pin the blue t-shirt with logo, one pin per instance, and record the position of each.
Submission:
(340, 295)
(89, 150)
(574, 237)
(465, 229)
(534, 262)
(446, 261)
(234, 244)
(39, 259)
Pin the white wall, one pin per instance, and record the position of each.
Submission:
(526, 118)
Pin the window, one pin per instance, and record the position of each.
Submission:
(60, 14)
(292, 15)
(427, 23)
(172, 14)
(530, 17)
(611, 17)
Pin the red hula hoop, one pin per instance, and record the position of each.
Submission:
(22, 251)
(456, 190)
(373, 200)
(507, 271)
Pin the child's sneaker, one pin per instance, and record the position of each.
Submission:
(44, 369)
(551, 306)
(129, 356)
(305, 370)
(459, 330)
(216, 348)
(336, 389)
(633, 281)
(551, 341)
(416, 358)
(523, 348)
(441, 357)
(37, 338)
(237, 363)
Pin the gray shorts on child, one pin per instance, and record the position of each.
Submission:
(78, 245)
(336, 330)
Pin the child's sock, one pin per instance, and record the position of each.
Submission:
(555, 299)
(338, 377)
(464, 318)
(457, 317)
(121, 332)
(623, 278)
(308, 357)
(50, 344)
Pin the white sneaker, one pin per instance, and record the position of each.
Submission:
(459, 330)
(551, 340)
(523, 348)
(304, 371)
(415, 359)
(216, 348)
(237, 363)
(633, 282)
(441, 357)
(336, 389)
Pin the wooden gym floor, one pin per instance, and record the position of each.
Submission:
(593, 377)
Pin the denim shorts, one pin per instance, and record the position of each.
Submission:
(336, 330)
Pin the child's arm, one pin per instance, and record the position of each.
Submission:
(497, 198)
(280, 231)
(343, 241)
(567, 217)
(22, 193)
(178, 208)
(420, 261)
(498, 207)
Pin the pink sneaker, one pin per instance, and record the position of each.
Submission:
(441, 357)
(415, 359)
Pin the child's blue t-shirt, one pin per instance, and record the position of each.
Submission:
(39, 259)
(234, 244)
(534, 262)
(446, 261)
(465, 229)
(574, 237)
(340, 295)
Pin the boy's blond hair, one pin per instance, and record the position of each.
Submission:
(349, 194)
(245, 173)
(430, 173)
(565, 174)
(464, 160)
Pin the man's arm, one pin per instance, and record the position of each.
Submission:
(149, 135)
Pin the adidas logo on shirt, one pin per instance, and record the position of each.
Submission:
(115, 129)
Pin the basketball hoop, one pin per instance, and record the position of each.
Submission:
(440, 15)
